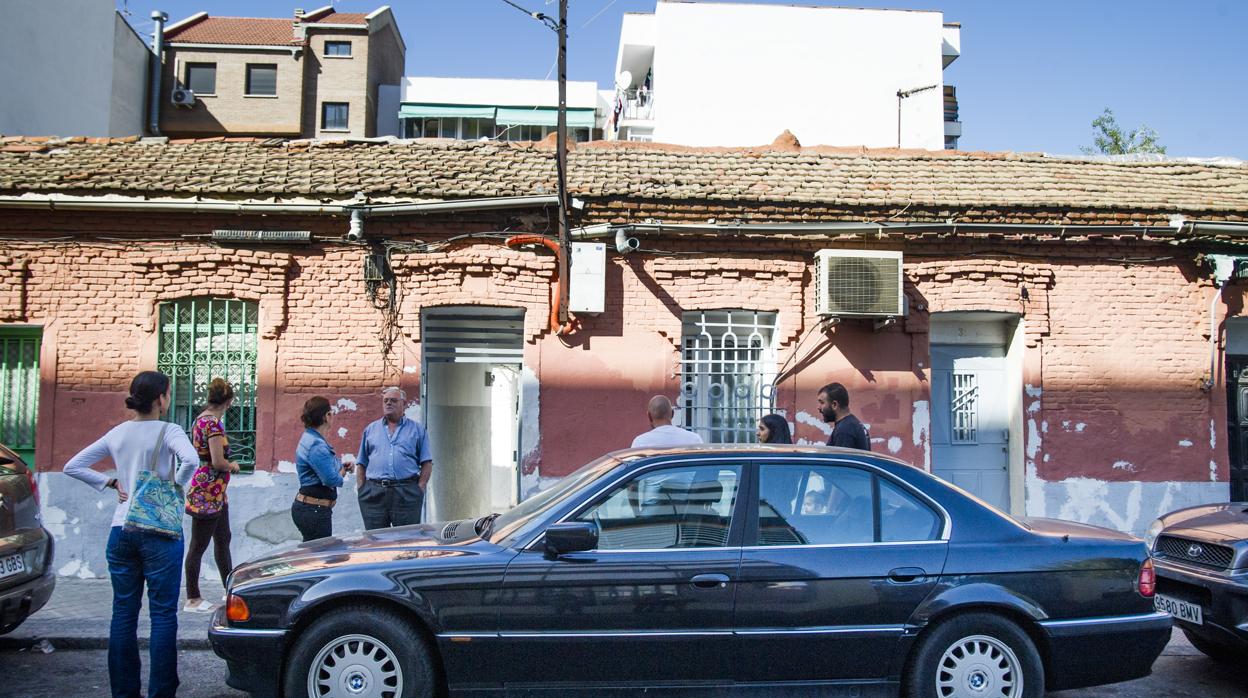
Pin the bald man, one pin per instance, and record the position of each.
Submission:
(662, 434)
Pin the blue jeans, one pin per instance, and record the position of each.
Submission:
(134, 558)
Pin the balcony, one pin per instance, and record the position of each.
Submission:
(636, 104)
(953, 127)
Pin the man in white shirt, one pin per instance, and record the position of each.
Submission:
(662, 434)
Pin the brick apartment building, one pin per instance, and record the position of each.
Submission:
(316, 75)
(1053, 351)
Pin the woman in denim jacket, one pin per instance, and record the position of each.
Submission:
(320, 473)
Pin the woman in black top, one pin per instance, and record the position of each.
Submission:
(773, 429)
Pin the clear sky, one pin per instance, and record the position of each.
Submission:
(1032, 75)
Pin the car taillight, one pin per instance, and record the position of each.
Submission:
(236, 610)
(1148, 579)
(34, 484)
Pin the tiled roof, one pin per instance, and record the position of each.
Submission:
(246, 31)
(406, 170)
(359, 18)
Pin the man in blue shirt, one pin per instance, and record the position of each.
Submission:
(395, 463)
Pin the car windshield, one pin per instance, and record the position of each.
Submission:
(513, 519)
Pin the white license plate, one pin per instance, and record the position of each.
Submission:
(12, 565)
(1182, 610)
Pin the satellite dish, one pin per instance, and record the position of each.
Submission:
(624, 80)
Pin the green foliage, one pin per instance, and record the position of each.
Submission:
(1112, 139)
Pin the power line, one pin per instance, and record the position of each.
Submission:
(598, 14)
(548, 21)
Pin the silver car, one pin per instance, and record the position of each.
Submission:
(26, 578)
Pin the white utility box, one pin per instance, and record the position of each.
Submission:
(587, 289)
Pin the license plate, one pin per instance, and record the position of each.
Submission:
(12, 565)
(1182, 610)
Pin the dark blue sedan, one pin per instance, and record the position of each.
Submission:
(707, 567)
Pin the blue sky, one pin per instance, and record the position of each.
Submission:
(1032, 76)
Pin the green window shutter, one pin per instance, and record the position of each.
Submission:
(19, 389)
(206, 338)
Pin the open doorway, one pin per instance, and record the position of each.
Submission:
(472, 361)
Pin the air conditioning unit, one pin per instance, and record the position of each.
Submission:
(858, 283)
(182, 97)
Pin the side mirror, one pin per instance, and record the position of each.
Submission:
(571, 537)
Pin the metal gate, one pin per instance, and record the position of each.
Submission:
(206, 338)
(19, 389)
(728, 365)
(1237, 424)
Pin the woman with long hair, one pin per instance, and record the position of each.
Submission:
(206, 500)
(320, 472)
(774, 429)
(135, 556)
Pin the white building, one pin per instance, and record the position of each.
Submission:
(470, 109)
(71, 68)
(707, 74)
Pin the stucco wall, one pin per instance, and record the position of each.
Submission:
(1116, 427)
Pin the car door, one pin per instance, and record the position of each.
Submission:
(837, 557)
(652, 604)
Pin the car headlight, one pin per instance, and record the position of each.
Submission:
(1154, 530)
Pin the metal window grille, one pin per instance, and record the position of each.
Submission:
(19, 389)
(728, 365)
(964, 407)
(205, 338)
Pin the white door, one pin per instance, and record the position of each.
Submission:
(970, 420)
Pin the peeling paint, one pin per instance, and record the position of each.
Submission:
(1033, 407)
(894, 444)
(1033, 391)
(921, 431)
(1213, 471)
(1046, 458)
(810, 420)
(1185, 443)
(1080, 427)
(1044, 427)
(345, 405)
(259, 478)
(1065, 425)
(285, 466)
(342, 432)
(1124, 465)
(1125, 506)
(409, 369)
(1213, 436)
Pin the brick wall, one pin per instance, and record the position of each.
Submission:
(230, 110)
(338, 79)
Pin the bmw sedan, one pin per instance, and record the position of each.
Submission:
(704, 567)
(1202, 575)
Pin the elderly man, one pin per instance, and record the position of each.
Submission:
(394, 466)
(662, 433)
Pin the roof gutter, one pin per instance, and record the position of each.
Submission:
(57, 202)
(848, 227)
(1214, 228)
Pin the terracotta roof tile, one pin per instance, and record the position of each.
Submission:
(995, 183)
(359, 18)
(246, 31)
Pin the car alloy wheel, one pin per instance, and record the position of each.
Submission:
(976, 666)
(355, 666)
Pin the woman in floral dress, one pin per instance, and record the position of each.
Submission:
(206, 500)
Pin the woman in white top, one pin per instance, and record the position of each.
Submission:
(135, 557)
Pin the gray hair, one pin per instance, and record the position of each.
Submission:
(394, 388)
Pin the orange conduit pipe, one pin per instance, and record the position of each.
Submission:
(552, 245)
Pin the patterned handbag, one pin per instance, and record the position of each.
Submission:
(155, 503)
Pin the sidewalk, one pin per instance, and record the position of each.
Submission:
(77, 617)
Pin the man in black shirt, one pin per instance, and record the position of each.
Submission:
(847, 431)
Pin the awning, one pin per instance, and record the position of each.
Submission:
(543, 116)
(415, 111)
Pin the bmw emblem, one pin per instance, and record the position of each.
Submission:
(1195, 550)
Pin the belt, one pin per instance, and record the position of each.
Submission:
(386, 482)
(314, 501)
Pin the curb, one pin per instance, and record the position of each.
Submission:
(71, 642)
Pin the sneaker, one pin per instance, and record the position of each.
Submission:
(204, 606)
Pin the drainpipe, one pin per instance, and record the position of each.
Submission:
(157, 68)
(555, 285)
(1223, 270)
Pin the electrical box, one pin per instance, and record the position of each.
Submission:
(588, 286)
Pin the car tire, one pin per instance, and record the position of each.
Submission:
(1214, 650)
(976, 654)
(375, 651)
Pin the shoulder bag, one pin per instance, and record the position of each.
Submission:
(156, 502)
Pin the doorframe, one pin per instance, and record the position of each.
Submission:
(1014, 334)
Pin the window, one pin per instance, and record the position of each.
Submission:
(727, 369)
(338, 48)
(19, 389)
(201, 78)
(963, 407)
(469, 129)
(334, 116)
(687, 507)
(201, 339)
(834, 505)
(812, 505)
(261, 79)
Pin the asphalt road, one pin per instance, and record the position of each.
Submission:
(30, 674)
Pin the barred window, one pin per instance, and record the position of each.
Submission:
(728, 366)
(201, 339)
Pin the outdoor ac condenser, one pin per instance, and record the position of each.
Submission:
(858, 283)
(182, 97)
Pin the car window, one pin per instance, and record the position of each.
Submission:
(686, 507)
(904, 518)
(814, 505)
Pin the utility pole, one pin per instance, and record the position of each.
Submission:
(561, 164)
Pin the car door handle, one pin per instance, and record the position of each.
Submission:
(709, 581)
(907, 575)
